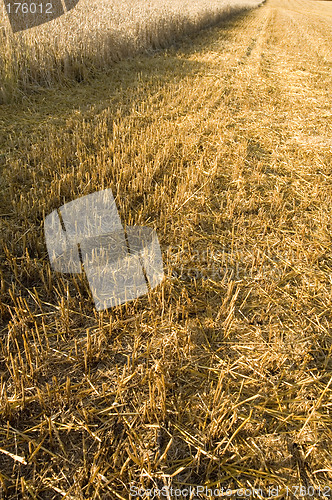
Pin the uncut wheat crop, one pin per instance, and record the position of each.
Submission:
(96, 34)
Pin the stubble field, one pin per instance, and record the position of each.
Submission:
(221, 376)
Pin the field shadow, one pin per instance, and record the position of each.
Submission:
(114, 86)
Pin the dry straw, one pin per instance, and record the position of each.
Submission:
(223, 146)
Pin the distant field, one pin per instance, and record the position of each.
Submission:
(95, 35)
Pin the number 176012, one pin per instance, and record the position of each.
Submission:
(31, 8)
